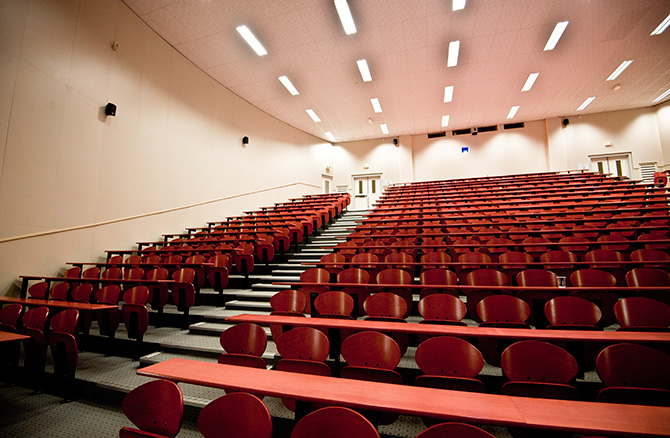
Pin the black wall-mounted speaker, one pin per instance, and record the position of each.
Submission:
(565, 122)
(110, 109)
(245, 140)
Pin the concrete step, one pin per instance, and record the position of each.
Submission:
(248, 305)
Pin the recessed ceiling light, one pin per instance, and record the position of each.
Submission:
(623, 66)
(452, 58)
(364, 69)
(586, 103)
(345, 16)
(530, 81)
(376, 105)
(289, 86)
(251, 39)
(662, 96)
(661, 27)
(457, 5)
(448, 93)
(313, 115)
(384, 128)
(512, 112)
(329, 136)
(445, 120)
(556, 35)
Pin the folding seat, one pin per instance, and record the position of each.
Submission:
(303, 350)
(289, 303)
(642, 314)
(108, 320)
(651, 258)
(518, 234)
(604, 298)
(39, 290)
(132, 274)
(448, 362)
(112, 273)
(577, 245)
(655, 241)
(572, 313)
(536, 299)
(158, 292)
(347, 249)
(499, 245)
(560, 262)
(314, 275)
(482, 277)
(92, 273)
(386, 306)
(34, 324)
(438, 277)
(442, 309)
(334, 422)
(617, 243)
(265, 250)
(82, 294)
(238, 415)
(336, 263)
(429, 245)
(634, 374)
(135, 314)
(59, 292)
(500, 311)
(553, 233)
(63, 345)
(218, 273)
(460, 246)
(134, 260)
(9, 317)
(372, 356)
(513, 262)
(454, 430)
(334, 304)
(195, 262)
(156, 408)
(398, 277)
(607, 260)
(400, 260)
(367, 261)
(471, 261)
(243, 258)
(589, 232)
(183, 291)
(244, 344)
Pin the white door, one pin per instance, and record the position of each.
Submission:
(367, 189)
(615, 165)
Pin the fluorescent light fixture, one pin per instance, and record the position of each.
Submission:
(329, 136)
(457, 5)
(556, 35)
(452, 58)
(586, 103)
(662, 96)
(313, 115)
(251, 39)
(448, 93)
(530, 81)
(376, 105)
(661, 27)
(445, 120)
(289, 86)
(345, 16)
(615, 74)
(364, 69)
(512, 112)
(384, 128)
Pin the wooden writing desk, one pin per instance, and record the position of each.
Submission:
(12, 337)
(500, 410)
(58, 304)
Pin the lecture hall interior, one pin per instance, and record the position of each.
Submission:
(334, 218)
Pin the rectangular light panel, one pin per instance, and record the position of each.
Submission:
(662, 96)
(384, 128)
(313, 115)
(445, 120)
(512, 112)
(530, 81)
(251, 39)
(556, 35)
(661, 27)
(364, 69)
(289, 86)
(345, 16)
(329, 136)
(376, 105)
(623, 66)
(457, 5)
(452, 58)
(586, 103)
(448, 93)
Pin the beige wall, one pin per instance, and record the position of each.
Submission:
(175, 142)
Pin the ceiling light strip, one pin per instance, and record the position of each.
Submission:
(512, 112)
(457, 5)
(364, 69)
(313, 115)
(251, 39)
(586, 103)
(289, 86)
(448, 93)
(452, 58)
(662, 96)
(661, 27)
(445, 120)
(556, 35)
(329, 135)
(345, 16)
(376, 105)
(623, 66)
(384, 128)
(530, 81)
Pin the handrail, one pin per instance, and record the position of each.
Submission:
(155, 213)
